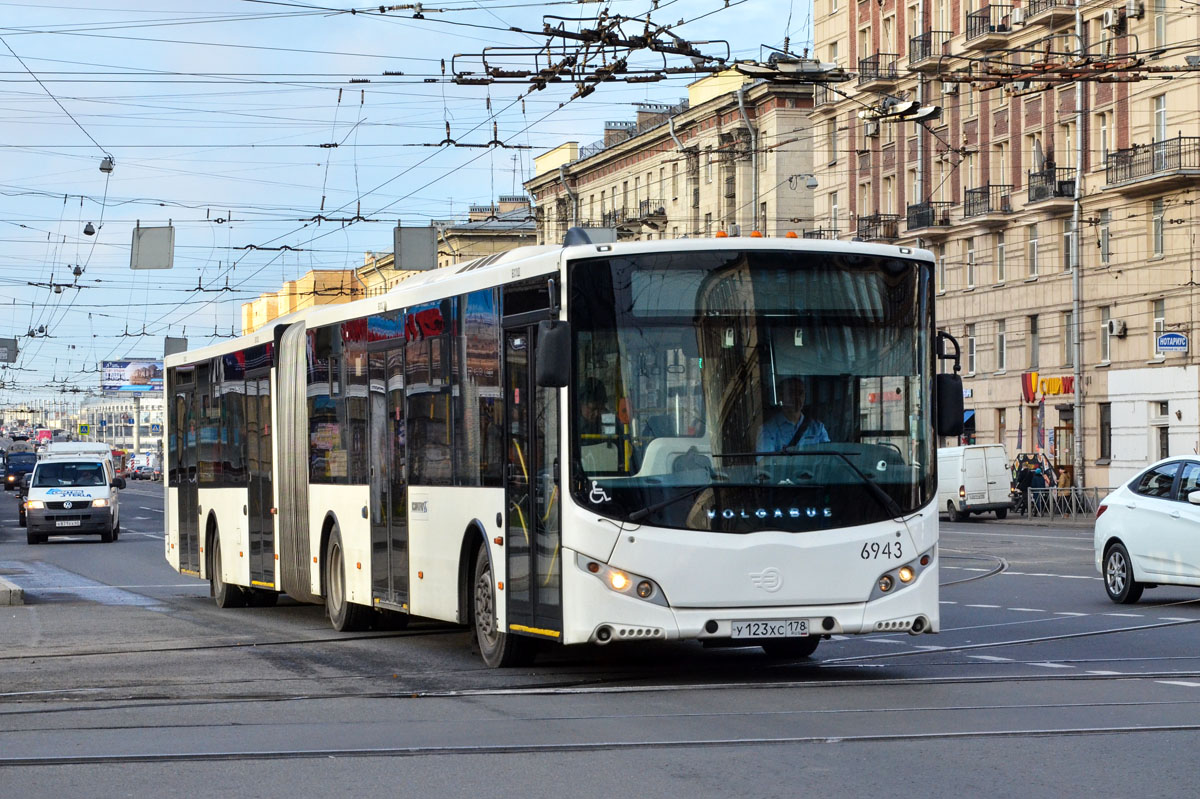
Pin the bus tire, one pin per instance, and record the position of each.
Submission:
(225, 595)
(344, 615)
(791, 648)
(498, 649)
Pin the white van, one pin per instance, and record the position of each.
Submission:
(973, 479)
(73, 494)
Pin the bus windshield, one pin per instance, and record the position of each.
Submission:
(734, 391)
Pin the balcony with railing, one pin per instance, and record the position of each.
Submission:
(987, 204)
(613, 217)
(988, 27)
(650, 209)
(830, 233)
(928, 216)
(1150, 168)
(824, 98)
(1049, 12)
(925, 51)
(879, 71)
(878, 227)
(1052, 185)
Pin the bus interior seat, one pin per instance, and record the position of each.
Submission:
(662, 454)
(597, 458)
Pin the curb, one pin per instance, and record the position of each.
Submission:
(11, 593)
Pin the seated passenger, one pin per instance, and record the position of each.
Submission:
(789, 426)
(592, 407)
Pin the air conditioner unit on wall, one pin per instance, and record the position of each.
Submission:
(1116, 327)
(949, 88)
(871, 128)
(1017, 16)
(1135, 9)
(1110, 19)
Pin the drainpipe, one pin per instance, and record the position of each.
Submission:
(574, 198)
(1076, 254)
(741, 98)
(671, 129)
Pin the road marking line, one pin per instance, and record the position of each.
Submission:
(1124, 615)
(991, 658)
(1184, 683)
(1027, 610)
(1173, 618)
(1102, 673)
(1049, 665)
(929, 648)
(885, 641)
(1068, 613)
(981, 606)
(946, 602)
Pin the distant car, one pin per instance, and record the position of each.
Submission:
(157, 473)
(22, 492)
(1148, 531)
(143, 472)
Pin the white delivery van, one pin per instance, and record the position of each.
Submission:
(973, 479)
(73, 494)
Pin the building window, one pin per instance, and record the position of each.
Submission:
(1160, 117)
(833, 209)
(1160, 23)
(1164, 441)
(1035, 342)
(1001, 346)
(708, 165)
(971, 349)
(674, 181)
(1159, 313)
(624, 194)
(1031, 248)
(1158, 213)
(1068, 243)
(970, 247)
(1068, 338)
(762, 216)
(941, 268)
(1105, 431)
(1105, 337)
(708, 224)
(1105, 240)
(1001, 268)
(831, 140)
(1104, 132)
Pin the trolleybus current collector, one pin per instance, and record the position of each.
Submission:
(567, 444)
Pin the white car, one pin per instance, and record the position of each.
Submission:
(1148, 530)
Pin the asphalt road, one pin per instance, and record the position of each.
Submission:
(120, 677)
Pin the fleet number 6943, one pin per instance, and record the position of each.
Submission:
(874, 550)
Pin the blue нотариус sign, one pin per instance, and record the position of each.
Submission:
(1172, 342)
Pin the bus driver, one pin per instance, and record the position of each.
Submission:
(789, 426)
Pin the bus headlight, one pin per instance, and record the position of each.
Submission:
(623, 582)
(900, 577)
(34, 504)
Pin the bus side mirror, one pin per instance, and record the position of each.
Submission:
(553, 358)
(949, 405)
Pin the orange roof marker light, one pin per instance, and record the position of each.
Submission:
(791, 234)
(721, 234)
(754, 234)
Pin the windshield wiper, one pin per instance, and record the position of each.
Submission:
(642, 513)
(878, 493)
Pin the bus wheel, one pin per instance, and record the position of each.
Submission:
(498, 649)
(226, 595)
(791, 648)
(345, 616)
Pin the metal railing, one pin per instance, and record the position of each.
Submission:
(1051, 182)
(873, 227)
(881, 66)
(651, 208)
(1063, 502)
(930, 214)
(928, 45)
(989, 19)
(821, 233)
(1036, 7)
(990, 199)
(823, 95)
(613, 218)
(1146, 160)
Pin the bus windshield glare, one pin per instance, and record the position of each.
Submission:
(736, 391)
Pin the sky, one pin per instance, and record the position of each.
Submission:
(219, 119)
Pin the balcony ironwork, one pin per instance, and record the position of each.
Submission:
(878, 69)
(651, 208)
(926, 50)
(1052, 182)
(1048, 12)
(1155, 165)
(821, 233)
(879, 227)
(929, 214)
(612, 218)
(986, 200)
(825, 98)
(988, 27)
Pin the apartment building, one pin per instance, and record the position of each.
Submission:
(316, 287)
(990, 187)
(735, 156)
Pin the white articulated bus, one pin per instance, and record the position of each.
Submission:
(731, 440)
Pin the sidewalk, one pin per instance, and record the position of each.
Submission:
(10, 594)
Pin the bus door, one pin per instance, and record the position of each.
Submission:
(532, 536)
(260, 496)
(389, 519)
(186, 416)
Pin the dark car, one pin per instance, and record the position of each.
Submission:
(22, 492)
(143, 472)
(17, 464)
